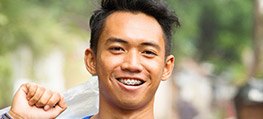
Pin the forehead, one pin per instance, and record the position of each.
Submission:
(132, 26)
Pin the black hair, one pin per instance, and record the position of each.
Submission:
(249, 95)
(153, 8)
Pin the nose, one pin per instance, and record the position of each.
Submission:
(132, 62)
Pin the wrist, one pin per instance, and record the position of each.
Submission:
(6, 116)
(14, 115)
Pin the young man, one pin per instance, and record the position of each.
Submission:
(248, 100)
(130, 54)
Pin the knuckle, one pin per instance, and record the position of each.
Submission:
(31, 93)
(34, 99)
(56, 94)
(51, 103)
(49, 92)
(37, 96)
(32, 87)
(24, 85)
(41, 88)
(39, 105)
(62, 98)
(30, 84)
(42, 102)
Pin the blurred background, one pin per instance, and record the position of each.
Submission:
(218, 49)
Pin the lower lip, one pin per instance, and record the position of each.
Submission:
(129, 88)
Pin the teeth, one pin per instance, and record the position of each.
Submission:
(130, 82)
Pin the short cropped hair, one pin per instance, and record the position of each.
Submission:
(153, 8)
(249, 97)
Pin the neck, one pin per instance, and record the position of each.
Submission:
(110, 111)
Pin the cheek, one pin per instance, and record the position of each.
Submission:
(107, 64)
(154, 67)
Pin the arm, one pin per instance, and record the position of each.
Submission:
(33, 101)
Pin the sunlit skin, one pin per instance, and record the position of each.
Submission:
(131, 46)
(33, 101)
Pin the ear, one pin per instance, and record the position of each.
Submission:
(168, 68)
(90, 61)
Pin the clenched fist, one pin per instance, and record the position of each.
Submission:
(32, 101)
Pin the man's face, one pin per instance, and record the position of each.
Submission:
(251, 111)
(130, 60)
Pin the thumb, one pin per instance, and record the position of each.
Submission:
(20, 95)
(19, 100)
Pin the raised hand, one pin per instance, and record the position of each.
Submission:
(32, 101)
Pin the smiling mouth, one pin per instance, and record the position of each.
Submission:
(130, 82)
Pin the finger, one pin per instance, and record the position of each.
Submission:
(58, 109)
(55, 98)
(44, 99)
(39, 92)
(19, 99)
(24, 88)
(62, 103)
(31, 90)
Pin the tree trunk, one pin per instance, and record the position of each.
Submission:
(257, 68)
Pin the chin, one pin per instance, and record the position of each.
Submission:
(133, 104)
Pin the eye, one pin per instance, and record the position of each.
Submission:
(116, 49)
(149, 53)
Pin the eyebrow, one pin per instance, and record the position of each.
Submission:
(151, 44)
(114, 40)
(119, 40)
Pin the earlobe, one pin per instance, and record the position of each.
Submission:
(90, 61)
(168, 68)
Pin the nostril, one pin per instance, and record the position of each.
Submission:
(132, 61)
(131, 67)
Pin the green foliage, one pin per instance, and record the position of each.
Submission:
(40, 25)
(215, 31)
(5, 82)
